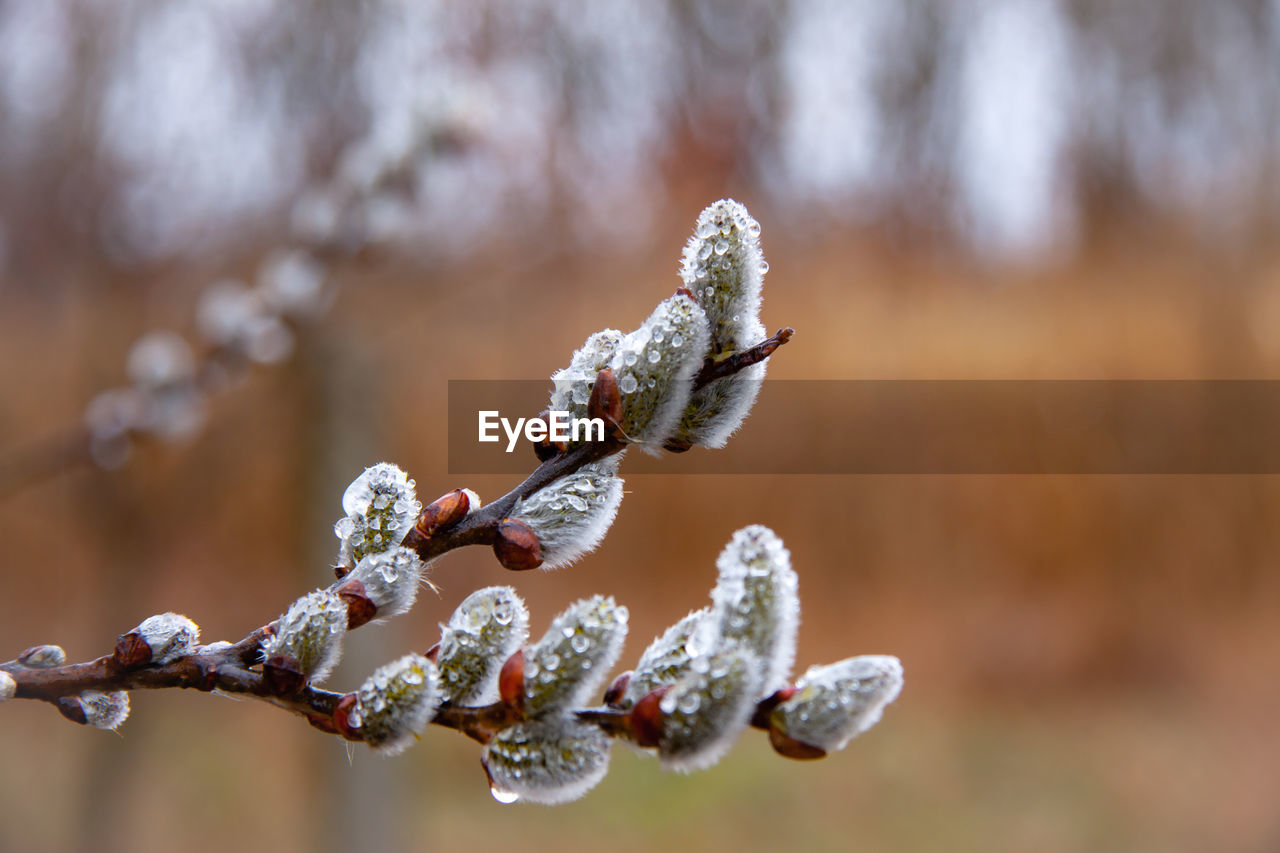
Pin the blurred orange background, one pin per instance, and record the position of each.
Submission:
(1090, 661)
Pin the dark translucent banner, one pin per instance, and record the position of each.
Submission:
(934, 427)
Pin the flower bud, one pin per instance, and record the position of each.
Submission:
(395, 704)
(756, 601)
(549, 761)
(381, 509)
(723, 269)
(105, 710)
(704, 712)
(485, 630)
(159, 639)
(835, 703)
(575, 383)
(390, 580)
(8, 687)
(665, 662)
(571, 515)
(655, 366)
(307, 639)
(573, 658)
(516, 546)
(442, 513)
(43, 657)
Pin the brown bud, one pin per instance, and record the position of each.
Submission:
(432, 654)
(323, 723)
(340, 571)
(516, 546)
(789, 747)
(613, 695)
(760, 719)
(281, 675)
(646, 718)
(341, 717)
(605, 402)
(131, 650)
(442, 513)
(677, 445)
(70, 707)
(684, 291)
(511, 681)
(545, 448)
(360, 608)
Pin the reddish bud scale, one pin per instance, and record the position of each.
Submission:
(646, 718)
(760, 719)
(131, 651)
(511, 681)
(340, 571)
(432, 654)
(281, 675)
(442, 513)
(360, 608)
(516, 546)
(544, 448)
(605, 401)
(341, 716)
(70, 707)
(789, 747)
(613, 696)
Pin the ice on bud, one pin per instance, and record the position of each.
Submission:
(381, 507)
(756, 601)
(169, 636)
(572, 514)
(292, 283)
(666, 661)
(160, 358)
(705, 711)
(105, 710)
(310, 634)
(655, 366)
(486, 629)
(724, 269)
(835, 703)
(43, 657)
(8, 687)
(573, 658)
(391, 579)
(548, 761)
(396, 703)
(573, 384)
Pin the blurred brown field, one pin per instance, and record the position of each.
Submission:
(1090, 660)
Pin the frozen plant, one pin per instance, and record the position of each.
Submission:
(541, 711)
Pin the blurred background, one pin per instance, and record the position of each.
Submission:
(1013, 189)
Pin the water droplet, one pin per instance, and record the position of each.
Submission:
(659, 334)
(705, 229)
(652, 382)
(654, 355)
(413, 676)
(630, 359)
(689, 703)
(764, 267)
(722, 246)
(568, 631)
(677, 340)
(704, 251)
(504, 797)
(627, 384)
(580, 643)
(550, 661)
(577, 503)
(502, 613)
(709, 292)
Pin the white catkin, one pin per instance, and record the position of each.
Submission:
(837, 702)
(571, 515)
